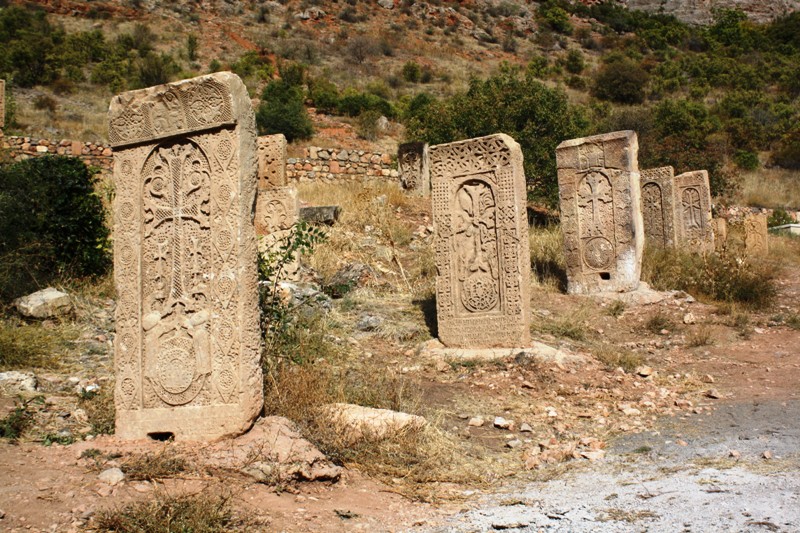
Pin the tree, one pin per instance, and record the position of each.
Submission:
(282, 111)
(510, 102)
(621, 80)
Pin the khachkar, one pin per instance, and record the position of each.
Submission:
(601, 216)
(694, 229)
(481, 243)
(413, 166)
(2, 103)
(755, 234)
(277, 206)
(187, 342)
(658, 206)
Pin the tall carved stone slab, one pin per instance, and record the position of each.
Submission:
(601, 216)
(693, 211)
(755, 235)
(481, 243)
(720, 226)
(658, 206)
(2, 103)
(413, 166)
(188, 339)
(271, 161)
(277, 210)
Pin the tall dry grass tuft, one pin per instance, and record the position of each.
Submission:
(547, 257)
(771, 187)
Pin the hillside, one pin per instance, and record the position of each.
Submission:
(701, 12)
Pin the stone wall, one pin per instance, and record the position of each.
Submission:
(333, 164)
(95, 154)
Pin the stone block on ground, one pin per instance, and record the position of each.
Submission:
(15, 382)
(187, 351)
(324, 214)
(601, 215)
(46, 303)
(355, 423)
(534, 351)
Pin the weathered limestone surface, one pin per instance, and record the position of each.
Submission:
(601, 216)
(187, 340)
(755, 234)
(2, 103)
(658, 207)
(693, 211)
(720, 226)
(414, 168)
(271, 161)
(277, 210)
(481, 243)
(46, 303)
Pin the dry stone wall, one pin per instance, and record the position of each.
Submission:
(335, 164)
(92, 153)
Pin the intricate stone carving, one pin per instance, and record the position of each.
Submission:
(755, 234)
(481, 243)
(277, 210)
(601, 218)
(271, 161)
(2, 103)
(693, 211)
(188, 339)
(412, 163)
(658, 206)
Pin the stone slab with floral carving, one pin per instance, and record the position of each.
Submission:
(601, 215)
(271, 161)
(755, 234)
(414, 168)
(693, 226)
(481, 243)
(658, 206)
(187, 341)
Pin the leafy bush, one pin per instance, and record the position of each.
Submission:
(282, 110)
(324, 94)
(510, 102)
(787, 153)
(51, 224)
(574, 62)
(779, 217)
(555, 18)
(621, 80)
(411, 71)
(353, 103)
(368, 125)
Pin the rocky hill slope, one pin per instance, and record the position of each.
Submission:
(701, 11)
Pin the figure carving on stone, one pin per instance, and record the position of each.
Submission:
(413, 167)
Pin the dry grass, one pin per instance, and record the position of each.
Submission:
(701, 336)
(615, 357)
(571, 326)
(165, 513)
(772, 188)
(100, 409)
(81, 115)
(547, 258)
(153, 466)
(35, 346)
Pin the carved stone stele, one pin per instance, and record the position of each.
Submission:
(2, 103)
(187, 343)
(601, 216)
(277, 210)
(755, 234)
(658, 209)
(693, 212)
(720, 226)
(481, 243)
(413, 166)
(271, 161)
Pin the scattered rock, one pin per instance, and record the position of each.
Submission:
(689, 318)
(525, 428)
(514, 443)
(476, 421)
(369, 322)
(502, 423)
(509, 525)
(593, 455)
(324, 214)
(680, 442)
(348, 278)
(16, 382)
(112, 476)
(644, 371)
(442, 366)
(767, 454)
(735, 454)
(301, 295)
(713, 394)
(684, 404)
(708, 378)
(46, 303)
(386, 4)
(356, 422)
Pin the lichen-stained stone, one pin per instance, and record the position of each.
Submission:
(601, 216)
(271, 161)
(188, 339)
(414, 168)
(658, 206)
(693, 226)
(481, 243)
(755, 234)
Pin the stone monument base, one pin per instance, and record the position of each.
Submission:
(435, 350)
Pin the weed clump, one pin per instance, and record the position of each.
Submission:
(153, 466)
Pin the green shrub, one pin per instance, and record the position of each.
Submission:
(621, 80)
(353, 103)
(368, 125)
(787, 153)
(324, 94)
(555, 18)
(411, 71)
(746, 160)
(51, 224)
(282, 110)
(779, 217)
(574, 62)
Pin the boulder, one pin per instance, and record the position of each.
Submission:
(355, 423)
(46, 303)
(348, 278)
(15, 382)
(386, 4)
(324, 214)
